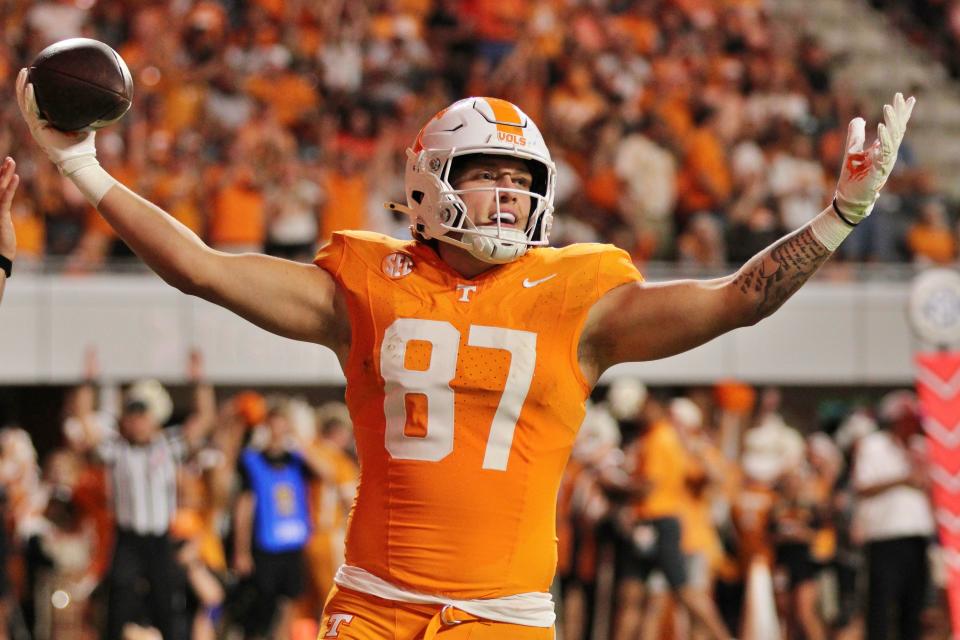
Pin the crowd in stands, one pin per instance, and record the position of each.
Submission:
(687, 130)
(931, 24)
(230, 523)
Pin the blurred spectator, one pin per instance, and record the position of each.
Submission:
(451, 40)
(602, 184)
(772, 447)
(795, 520)
(575, 102)
(931, 239)
(582, 512)
(797, 181)
(700, 539)
(202, 506)
(702, 244)
(238, 218)
(61, 543)
(346, 187)
(330, 502)
(651, 532)
(89, 492)
(272, 522)
(21, 498)
(56, 20)
(205, 590)
(496, 29)
(879, 238)
(895, 518)
(292, 208)
(143, 459)
(648, 170)
(757, 229)
(704, 183)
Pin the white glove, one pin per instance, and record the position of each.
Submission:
(74, 153)
(70, 151)
(864, 172)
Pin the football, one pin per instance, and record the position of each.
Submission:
(81, 84)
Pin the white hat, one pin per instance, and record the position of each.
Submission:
(685, 413)
(152, 398)
(853, 428)
(625, 398)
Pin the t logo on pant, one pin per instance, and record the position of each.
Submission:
(336, 619)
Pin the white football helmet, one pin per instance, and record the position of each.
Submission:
(487, 126)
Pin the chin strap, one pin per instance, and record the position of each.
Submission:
(396, 206)
(480, 246)
(484, 248)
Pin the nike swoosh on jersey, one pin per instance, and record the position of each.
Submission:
(527, 283)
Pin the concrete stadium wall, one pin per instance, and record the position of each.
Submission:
(851, 334)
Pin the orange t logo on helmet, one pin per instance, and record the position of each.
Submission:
(508, 120)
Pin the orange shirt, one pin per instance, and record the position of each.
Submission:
(291, 95)
(699, 533)
(238, 216)
(31, 234)
(274, 8)
(346, 206)
(183, 105)
(936, 244)
(705, 164)
(496, 21)
(603, 190)
(466, 396)
(661, 461)
(642, 31)
(326, 508)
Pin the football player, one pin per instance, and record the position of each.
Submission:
(8, 237)
(469, 352)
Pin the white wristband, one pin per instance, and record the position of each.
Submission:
(829, 229)
(92, 180)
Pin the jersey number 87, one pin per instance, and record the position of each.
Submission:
(434, 383)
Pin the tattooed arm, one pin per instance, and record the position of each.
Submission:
(773, 275)
(647, 321)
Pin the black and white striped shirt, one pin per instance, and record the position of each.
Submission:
(144, 479)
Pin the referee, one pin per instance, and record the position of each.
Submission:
(145, 585)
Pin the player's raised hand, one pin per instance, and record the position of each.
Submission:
(865, 171)
(195, 370)
(69, 151)
(8, 186)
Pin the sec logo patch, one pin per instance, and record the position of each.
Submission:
(397, 265)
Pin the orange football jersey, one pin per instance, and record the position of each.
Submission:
(466, 396)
